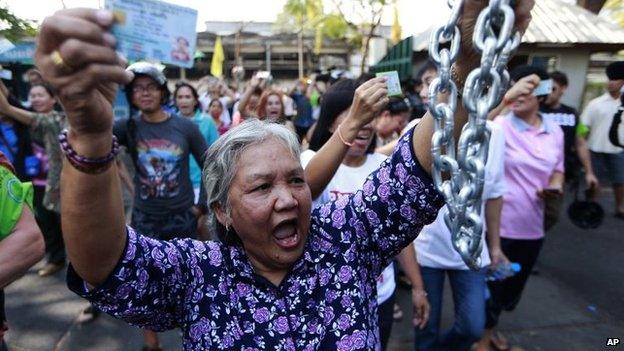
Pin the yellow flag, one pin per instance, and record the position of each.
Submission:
(216, 67)
(395, 35)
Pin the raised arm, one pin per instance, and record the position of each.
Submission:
(18, 114)
(244, 100)
(369, 99)
(524, 86)
(76, 55)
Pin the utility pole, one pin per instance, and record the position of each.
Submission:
(238, 71)
(300, 52)
(267, 50)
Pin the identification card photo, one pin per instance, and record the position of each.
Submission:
(154, 30)
(394, 85)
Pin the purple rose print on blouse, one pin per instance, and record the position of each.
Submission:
(325, 210)
(401, 173)
(215, 257)
(210, 291)
(344, 321)
(281, 325)
(338, 218)
(369, 188)
(344, 274)
(383, 191)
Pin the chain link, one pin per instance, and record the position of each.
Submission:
(495, 40)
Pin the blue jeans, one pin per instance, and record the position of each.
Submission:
(469, 299)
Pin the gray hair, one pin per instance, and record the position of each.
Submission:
(221, 163)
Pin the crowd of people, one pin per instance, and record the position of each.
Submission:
(272, 218)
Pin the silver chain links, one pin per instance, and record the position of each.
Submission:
(494, 39)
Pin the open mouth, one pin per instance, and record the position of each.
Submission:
(286, 234)
(363, 137)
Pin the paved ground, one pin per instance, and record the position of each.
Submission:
(575, 302)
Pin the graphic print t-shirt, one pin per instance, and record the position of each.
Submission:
(567, 118)
(162, 182)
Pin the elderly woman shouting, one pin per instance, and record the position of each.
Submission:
(282, 277)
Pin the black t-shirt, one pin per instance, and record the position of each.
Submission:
(162, 182)
(567, 118)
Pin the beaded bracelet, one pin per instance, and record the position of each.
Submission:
(85, 164)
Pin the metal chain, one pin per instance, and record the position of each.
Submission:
(483, 90)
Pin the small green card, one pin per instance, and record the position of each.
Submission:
(394, 85)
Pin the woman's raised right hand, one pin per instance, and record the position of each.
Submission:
(370, 98)
(524, 86)
(76, 56)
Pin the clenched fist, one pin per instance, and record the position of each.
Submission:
(75, 53)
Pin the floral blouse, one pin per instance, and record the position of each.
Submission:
(45, 130)
(326, 302)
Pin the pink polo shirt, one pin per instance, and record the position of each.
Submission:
(532, 155)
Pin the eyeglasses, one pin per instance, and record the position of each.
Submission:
(150, 88)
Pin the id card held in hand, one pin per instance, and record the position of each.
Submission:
(394, 85)
(154, 30)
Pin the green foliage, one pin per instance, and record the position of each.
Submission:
(14, 28)
(334, 26)
(299, 15)
(309, 17)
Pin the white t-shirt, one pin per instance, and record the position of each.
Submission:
(345, 182)
(598, 116)
(433, 246)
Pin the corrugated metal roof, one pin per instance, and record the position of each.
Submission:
(559, 23)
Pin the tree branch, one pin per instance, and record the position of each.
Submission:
(338, 5)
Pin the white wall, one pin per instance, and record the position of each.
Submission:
(377, 50)
(575, 65)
